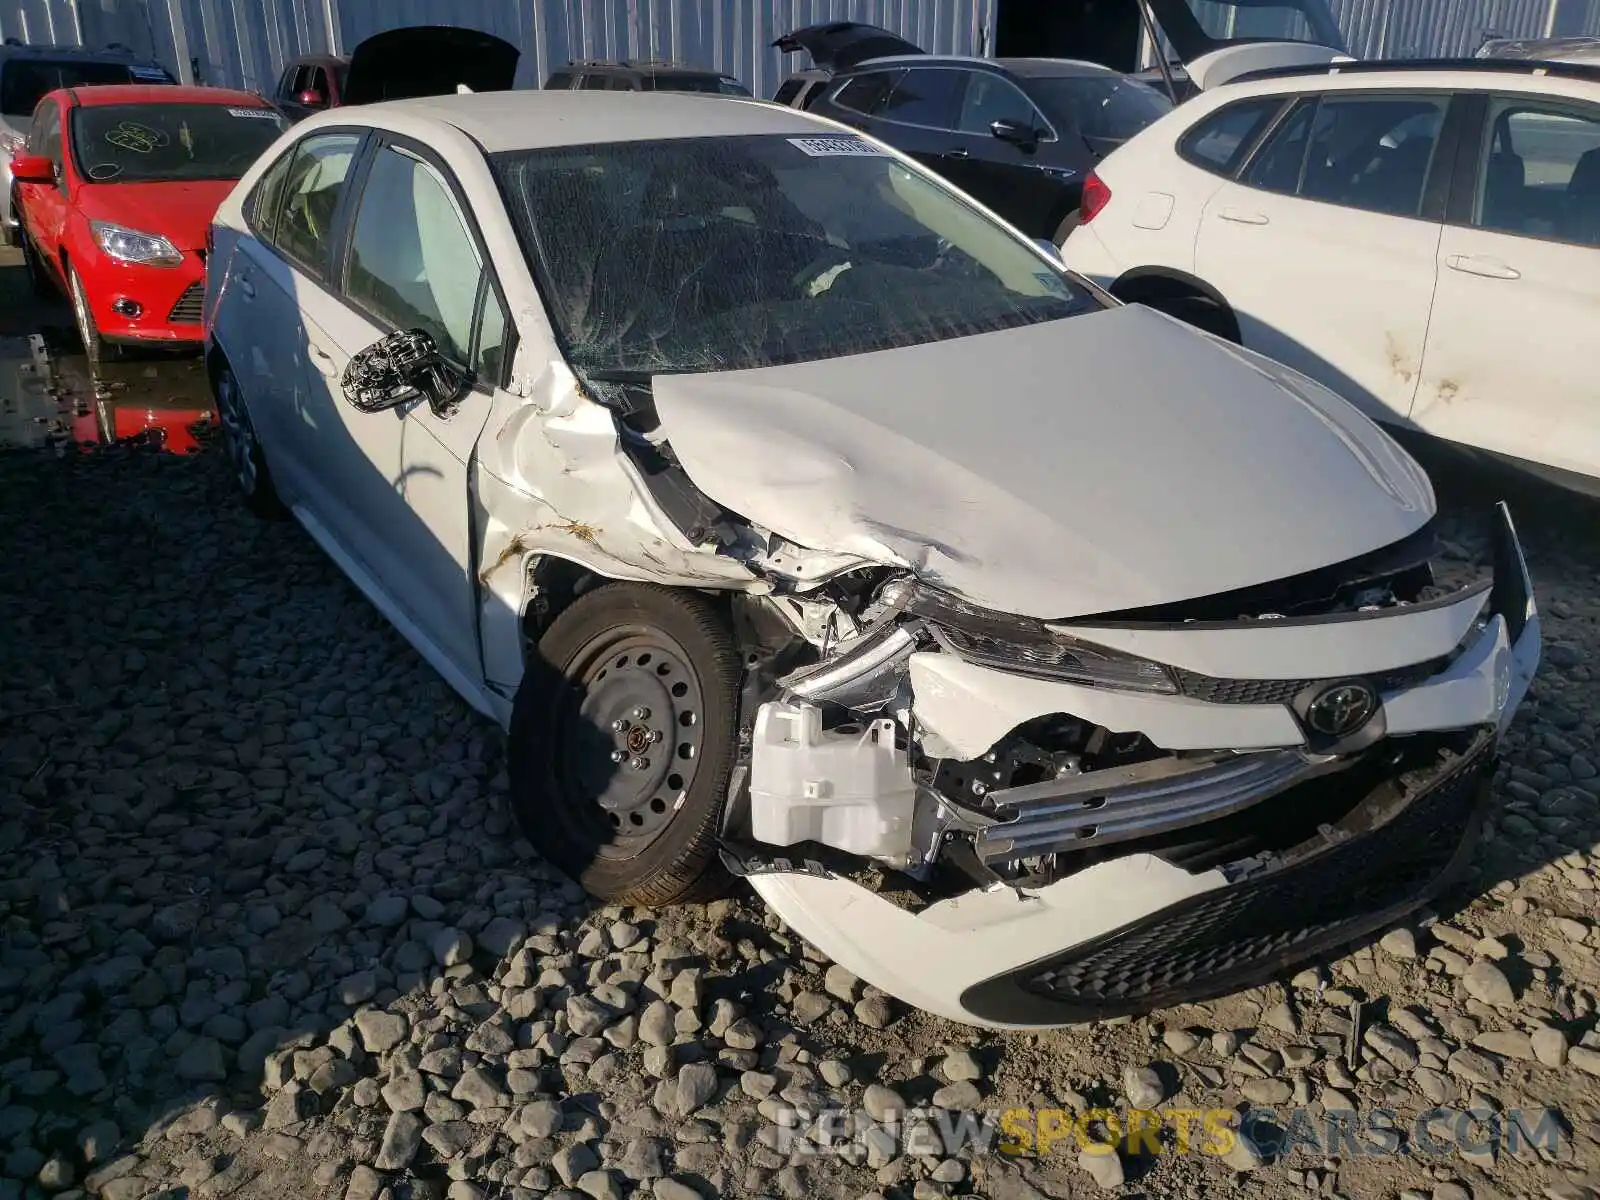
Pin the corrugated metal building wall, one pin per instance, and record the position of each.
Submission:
(244, 43)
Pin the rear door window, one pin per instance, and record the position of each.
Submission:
(310, 199)
(1219, 142)
(925, 96)
(866, 94)
(1540, 175)
(1373, 152)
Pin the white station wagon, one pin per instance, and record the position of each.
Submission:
(1035, 656)
(1423, 239)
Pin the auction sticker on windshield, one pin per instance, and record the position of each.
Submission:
(266, 114)
(825, 147)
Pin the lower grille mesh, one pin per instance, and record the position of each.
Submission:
(1246, 930)
(189, 306)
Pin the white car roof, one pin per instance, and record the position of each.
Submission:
(529, 119)
(1365, 76)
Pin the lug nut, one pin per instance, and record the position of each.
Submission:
(655, 736)
(617, 756)
(640, 714)
(638, 764)
(619, 726)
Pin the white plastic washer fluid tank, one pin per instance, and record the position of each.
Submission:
(849, 788)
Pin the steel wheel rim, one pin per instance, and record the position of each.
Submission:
(627, 771)
(237, 435)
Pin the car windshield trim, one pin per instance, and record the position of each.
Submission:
(182, 141)
(690, 255)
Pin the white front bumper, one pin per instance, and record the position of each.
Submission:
(934, 958)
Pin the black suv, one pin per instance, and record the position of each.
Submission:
(1018, 134)
(28, 72)
(623, 76)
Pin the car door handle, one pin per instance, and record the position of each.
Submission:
(323, 360)
(1489, 268)
(246, 288)
(1240, 217)
(958, 152)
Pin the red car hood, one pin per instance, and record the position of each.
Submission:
(179, 212)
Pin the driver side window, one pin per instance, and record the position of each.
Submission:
(991, 98)
(413, 262)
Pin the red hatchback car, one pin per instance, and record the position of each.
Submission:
(116, 191)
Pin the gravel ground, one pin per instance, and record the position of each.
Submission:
(267, 931)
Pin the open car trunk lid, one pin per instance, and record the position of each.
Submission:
(1213, 56)
(839, 45)
(428, 60)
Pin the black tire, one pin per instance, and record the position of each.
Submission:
(1068, 224)
(243, 448)
(95, 347)
(627, 649)
(40, 282)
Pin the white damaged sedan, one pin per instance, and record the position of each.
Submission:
(1036, 657)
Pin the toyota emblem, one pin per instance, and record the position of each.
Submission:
(1341, 709)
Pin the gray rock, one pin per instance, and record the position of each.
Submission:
(1266, 1091)
(1180, 1041)
(841, 984)
(961, 1066)
(875, 1012)
(357, 988)
(1399, 943)
(204, 1060)
(381, 1031)
(697, 1083)
(386, 911)
(643, 1158)
(540, 1119)
(1549, 1046)
(450, 947)
(672, 1189)
(600, 1185)
(405, 1091)
(656, 1025)
(401, 1138)
(501, 936)
(573, 1162)
(882, 1103)
(365, 1184)
(1143, 1088)
(809, 1007)
(586, 1016)
(1507, 1043)
(1486, 982)
(477, 1088)
(1281, 1017)
(98, 1141)
(1104, 1166)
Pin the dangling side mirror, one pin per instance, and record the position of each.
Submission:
(400, 368)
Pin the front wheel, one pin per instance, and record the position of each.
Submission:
(623, 739)
(95, 347)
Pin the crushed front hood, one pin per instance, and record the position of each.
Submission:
(1105, 462)
(428, 60)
